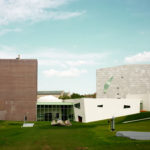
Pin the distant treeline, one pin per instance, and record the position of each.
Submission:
(76, 96)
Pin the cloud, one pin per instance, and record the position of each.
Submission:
(55, 57)
(80, 62)
(48, 62)
(5, 31)
(66, 15)
(64, 63)
(73, 72)
(7, 52)
(138, 58)
(50, 53)
(33, 10)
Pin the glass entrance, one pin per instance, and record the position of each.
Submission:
(55, 112)
(48, 116)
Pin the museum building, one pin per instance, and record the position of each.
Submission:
(18, 94)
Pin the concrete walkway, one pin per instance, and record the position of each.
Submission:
(28, 125)
(134, 135)
(137, 120)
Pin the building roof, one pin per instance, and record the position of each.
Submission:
(47, 99)
(52, 103)
(51, 100)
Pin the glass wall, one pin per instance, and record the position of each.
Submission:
(54, 112)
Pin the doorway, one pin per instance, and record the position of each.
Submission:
(79, 118)
(141, 106)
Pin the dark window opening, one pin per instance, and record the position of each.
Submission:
(99, 105)
(126, 106)
(57, 115)
(77, 105)
(48, 116)
(79, 118)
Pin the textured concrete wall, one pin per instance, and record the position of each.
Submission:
(128, 79)
(18, 89)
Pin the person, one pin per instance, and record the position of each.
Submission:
(25, 118)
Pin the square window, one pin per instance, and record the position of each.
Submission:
(126, 106)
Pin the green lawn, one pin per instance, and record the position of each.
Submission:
(80, 136)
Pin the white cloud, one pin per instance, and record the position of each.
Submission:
(55, 57)
(7, 52)
(5, 31)
(50, 53)
(73, 72)
(81, 62)
(66, 15)
(138, 58)
(33, 10)
(48, 62)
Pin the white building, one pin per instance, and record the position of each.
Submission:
(90, 109)
(144, 100)
(85, 109)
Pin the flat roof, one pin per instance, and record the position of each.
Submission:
(53, 103)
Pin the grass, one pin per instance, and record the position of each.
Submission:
(80, 136)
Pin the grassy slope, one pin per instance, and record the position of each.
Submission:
(91, 136)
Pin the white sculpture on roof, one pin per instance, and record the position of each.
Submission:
(49, 98)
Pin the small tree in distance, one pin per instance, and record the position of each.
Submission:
(76, 96)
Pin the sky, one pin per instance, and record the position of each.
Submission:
(73, 38)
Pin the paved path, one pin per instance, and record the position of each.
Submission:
(134, 135)
(28, 125)
(136, 120)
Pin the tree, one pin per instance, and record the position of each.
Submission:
(64, 96)
(76, 95)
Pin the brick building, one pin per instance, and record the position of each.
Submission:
(18, 89)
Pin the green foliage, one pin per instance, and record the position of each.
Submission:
(73, 96)
(76, 95)
(90, 95)
(64, 96)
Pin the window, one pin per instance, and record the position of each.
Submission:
(46, 106)
(77, 105)
(126, 106)
(57, 115)
(38, 106)
(99, 105)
